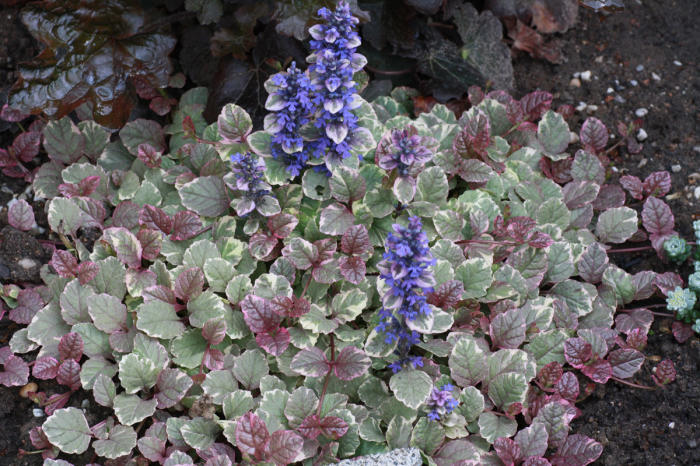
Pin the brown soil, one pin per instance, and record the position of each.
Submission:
(637, 427)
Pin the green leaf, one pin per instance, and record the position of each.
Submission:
(271, 409)
(616, 225)
(63, 141)
(348, 305)
(471, 403)
(104, 390)
(411, 387)
(68, 430)
(398, 433)
(237, 403)
(259, 142)
(553, 134)
(107, 312)
(620, 282)
(137, 373)
(119, 442)
(492, 427)
(507, 389)
(475, 274)
(158, 319)
(234, 123)
(94, 367)
(427, 436)
(376, 345)
(347, 185)
(577, 295)
(560, 262)
(131, 409)
(467, 362)
(335, 219)
(432, 186)
(449, 224)
(301, 404)
(371, 430)
(205, 195)
(250, 367)
(218, 384)
(110, 278)
(316, 185)
(548, 347)
(188, 349)
(200, 433)
(47, 327)
(204, 307)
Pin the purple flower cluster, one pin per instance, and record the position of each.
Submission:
(332, 65)
(441, 402)
(403, 149)
(290, 101)
(406, 269)
(249, 172)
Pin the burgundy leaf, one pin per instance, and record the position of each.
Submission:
(333, 427)
(252, 436)
(29, 302)
(519, 228)
(186, 224)
(71, 347)
(657, 217)
(567, 386)
(284, 447)
(149, 155)
(274, 342)
(633, 185)
(64, 263)
(599, 371)
(507, 450)
(311, 362)
(189, 284)
(87, 271)
(69, 190)
(155, 218)
(447, 294)
(153, 448)
(637, 339)
(160, 293)
(20, 215)
(151, 242)
(475, 94)
(577, 351)
(261, 245)
(625, 322)
(540, 240)
(681, 331)
(258, 314)
(657, 184)
(54, 402)
(667, 282)
(355, 240)
(188, 128)
(664, 372)
(475, 136)
(536, 461)
(326, 249)
(594, 135)
(38, 438)
(15, 371)
(125, 244)
(351, 363)
(89, 185)
(213, 359)
(126, 215)
(609, 196)
(162, 105)
(26, 145)
(352, 268)
(536, 103)
(644, 283)
(310, 427)
(69, 374)
(11, 114)
(290, 306)
(577, 450)
(550, 374)
(45, 368)
(282, 225)
(625, 362)
(214, 331)
(172, 385)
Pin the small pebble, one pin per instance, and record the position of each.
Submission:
(671, 425)
(677, 63)
(581, 106)
(577, 74)
(85, 403)
(675, 168)
(641, 112)
(655, 76)
(590, 109)
(641, 135)
(620, 100)
(599, 59)
(38, 412)
(586, 75)
(692, 443)
(640, 68)
(573, 137)
(610, 90)
(575, 82)
(642, 163)
(696, 193)
(696, 148)
(634, 82)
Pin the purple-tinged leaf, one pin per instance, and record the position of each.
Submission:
(258, 314)
(213, 359)
(274, 342)
(633, 185)
(261, 245)
(350, 363)
(540, 240)
(155, 218)
(15, 371)
(69, 374)
(214, 331)
(310, 427)
(577, 450)
(125, 245)
(668, 281)
(536, 103)
(657, 217)
(598, 371)
(352, 268)
(310, 362)
(142, 131)
(161, 293)
(284, 447)
(550, 374)
(71, 347)
(189, 284)
(20, 215)
(644, 283)
(151, 241)
(625, 362)
(593, 263)
(594, 135)
(637, 339)
(29, 302)
(87, 271)
(475, 136)
(172, 386)
(657, 184)
(507, 329)
(455, 452)
(149, 155)
(532, 440)
(206, 195)
(681, 331)
(567, 387)
(186, 225)
(126, 215)
(507, 450)
(664, 372)
(252, 436)
(45, 368)
(153, 449)
(12, 115)
(474, 171)
(301, 253)
(355, 240)
(68, 190)
(536, 461)
(290, 306)
(282, 225)
(625, 322)
(333, 427)
(89, 185)
(38, 438)
(26, 145)
(580, 193)
(447, 295)
(64, 263)
(577, 351)
(609, 196)
(335, 219)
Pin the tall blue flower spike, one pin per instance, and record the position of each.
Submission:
(249, 171)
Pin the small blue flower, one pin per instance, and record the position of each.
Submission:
(249, 172)
(441, 402)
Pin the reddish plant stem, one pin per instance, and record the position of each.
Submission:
(632, 384)
(306, 287)
(328, 376)
(641, 248)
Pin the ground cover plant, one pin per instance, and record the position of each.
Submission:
(441, 282)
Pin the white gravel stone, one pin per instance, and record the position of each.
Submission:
(675, 168)
(37, 412)
(586, 75)
(655, 76)
(400, 457)
(640, 68)
(671, 425)
(677, 63)
(641, 112)
(641, 135)
(696, 193)
(610, 90)
(633, 82)
(575, 82)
